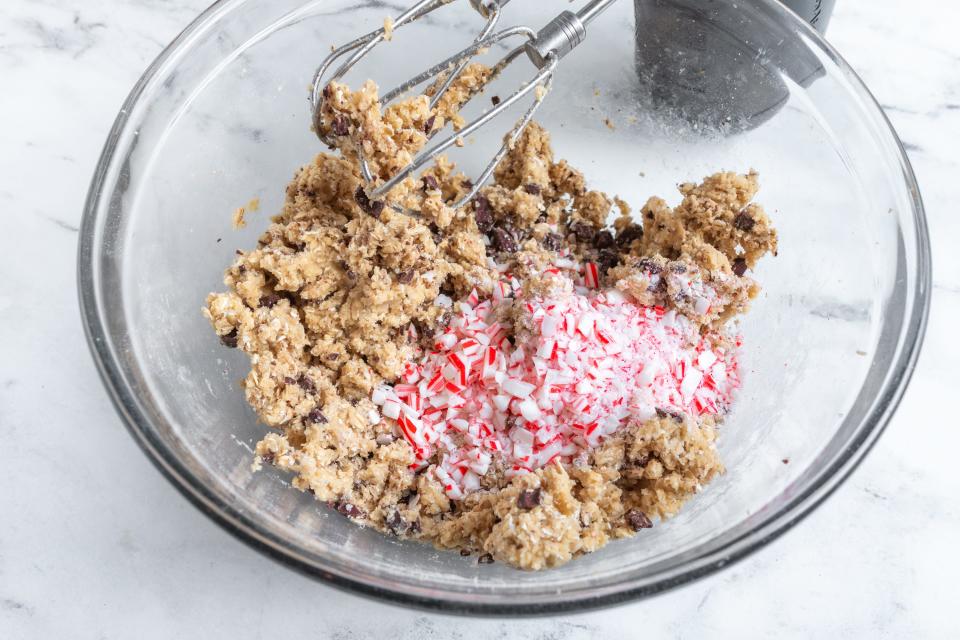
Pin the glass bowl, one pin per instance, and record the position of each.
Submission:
(221, 117)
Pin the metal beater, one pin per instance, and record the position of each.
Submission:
(544, 48)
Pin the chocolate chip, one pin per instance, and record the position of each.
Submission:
(482, 214)
(603, 240)
(552, 241)
(739, 266)
(374, 208)
(269, 300)
(532, 189)
(606, 259)
(663, 413)
(340, 125)
(464, 552)
(327, 91)
(485, 559)
(503, 241)
(638, 520)
(430, 183)
(316, 417)
(332, 357)
(743, 222)
(406, 277)
(415, 526)
(229, 339)
(350, 510)
(428, 124)
(306, 383)
(582, 230)
(649, 266)
(529, 499)
(678, 267)
(289, 380)
(396, 523)
(495, 100)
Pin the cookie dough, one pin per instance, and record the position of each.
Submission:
(342, 294)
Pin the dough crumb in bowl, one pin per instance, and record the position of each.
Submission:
(518, 378)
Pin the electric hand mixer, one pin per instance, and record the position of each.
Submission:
(544, 48)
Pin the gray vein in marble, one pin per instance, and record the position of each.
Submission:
(66, 40)
(60, 223)
(9, 604)
(946, 287)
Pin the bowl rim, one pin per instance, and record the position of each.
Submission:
(247, 530)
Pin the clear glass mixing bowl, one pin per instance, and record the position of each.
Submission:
(221, 117)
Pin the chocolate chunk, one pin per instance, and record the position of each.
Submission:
(626, 237)
(269, 300)
(289, 380)
(743, 221)
(663, 413)
(482, 214)
(606, 259)
(396, 523)
(464, 552)
(332, 357)
(340, 126)
(495, 100)
(405, 277)
(430, 183)
(532, 189)
(582, 230)
(415, 526)
(428, 124)
(503, 240)
(529, 499)
(678, 267)
(327, 91)
(638, 520)
(229, 339)
(739, 266)
(316, 417)
(485, 559)
(603, 240)
(552, 241)
(374, 208)
(350, 510)
(306, 383)
(649, 266)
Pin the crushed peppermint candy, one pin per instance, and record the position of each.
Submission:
(585, 362)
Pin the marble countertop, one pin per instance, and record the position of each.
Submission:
(94, 543)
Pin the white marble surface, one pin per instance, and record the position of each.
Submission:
(94, 543)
